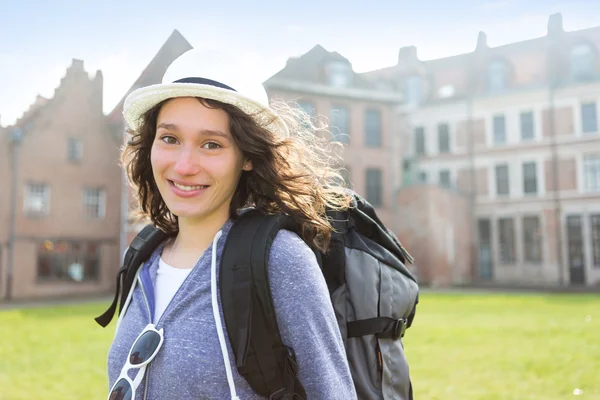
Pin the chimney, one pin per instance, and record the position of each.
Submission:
(76, 65)
(555, 24)
(99, 78)
(407, 55)
(481, 41)
(98, 89)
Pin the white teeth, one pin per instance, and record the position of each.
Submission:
(188, 188)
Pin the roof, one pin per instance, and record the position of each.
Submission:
(311, 67)
(527, 61)
(174, 46)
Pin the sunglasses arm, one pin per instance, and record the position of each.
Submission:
(139, 376)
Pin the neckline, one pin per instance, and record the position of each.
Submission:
(162, 263)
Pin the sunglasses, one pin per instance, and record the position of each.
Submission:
(143, 350)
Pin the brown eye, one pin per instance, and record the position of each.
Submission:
(211, 145)
(169, 139)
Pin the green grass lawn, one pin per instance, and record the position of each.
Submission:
(461, 346)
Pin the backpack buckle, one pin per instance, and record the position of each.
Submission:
(399, 329)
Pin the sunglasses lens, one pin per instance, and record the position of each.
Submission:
(121, 391)
(144, 348)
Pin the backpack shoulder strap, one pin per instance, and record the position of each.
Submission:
(140, 250)
(261, 357)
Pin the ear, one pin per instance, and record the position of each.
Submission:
(247, 165)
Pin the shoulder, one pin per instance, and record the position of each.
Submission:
(293, 269)
(288, 249)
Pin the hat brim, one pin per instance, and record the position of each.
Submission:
(141, 100)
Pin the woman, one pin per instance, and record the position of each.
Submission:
(206, 145)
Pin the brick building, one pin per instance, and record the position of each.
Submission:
(67, 194)
(515, 129)
(359, 115)
(486, 164)
(72, 210)
(367, 115)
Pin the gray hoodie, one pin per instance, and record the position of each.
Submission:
(191, 363)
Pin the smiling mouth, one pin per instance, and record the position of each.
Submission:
(187, 188)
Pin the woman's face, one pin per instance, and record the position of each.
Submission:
(195, 161)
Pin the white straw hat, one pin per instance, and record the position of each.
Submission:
(211, 75)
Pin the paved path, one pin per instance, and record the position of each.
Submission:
(37, 303)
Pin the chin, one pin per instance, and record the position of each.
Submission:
(181, 213)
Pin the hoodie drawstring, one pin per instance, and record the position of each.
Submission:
(217, 315)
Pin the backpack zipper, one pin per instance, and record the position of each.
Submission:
(379, 361)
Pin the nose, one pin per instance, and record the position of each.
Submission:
(187, 162)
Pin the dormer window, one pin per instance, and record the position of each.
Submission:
(497, 75)
(413, 90)
(582, 60)
(446, 91)
(339, 73)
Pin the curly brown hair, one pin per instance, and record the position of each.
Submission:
(298, 175)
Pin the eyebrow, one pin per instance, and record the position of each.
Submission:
(204, 132)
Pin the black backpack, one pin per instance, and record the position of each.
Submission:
(373, 293)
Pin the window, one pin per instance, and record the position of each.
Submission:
(340, 125)
(74, 150)
(37, 199)
(345, 172)
(94, 202)
(506, 234)
(68, 260)
(527, 126)
(589, 118)
(532, 238)
(484, 256)
(591, 172)
(595, 223)
(443, 138)
(372, 128)
(445, 179)
(582, 61)
(502, 180)
(446, 91)
(374, 189)
(339, 73)
(420, 148)
(410, 172)
(413, 89)
(497, 76)
(307, 107)
(499, 129)
(529, 178)
(422, 176)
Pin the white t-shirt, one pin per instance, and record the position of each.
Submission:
(168, 281)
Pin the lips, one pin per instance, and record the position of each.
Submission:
(187, 190)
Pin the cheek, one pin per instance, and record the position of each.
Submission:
(222, 165)
(157, 160)
(234, 167)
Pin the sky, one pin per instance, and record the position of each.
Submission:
(39, 39)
